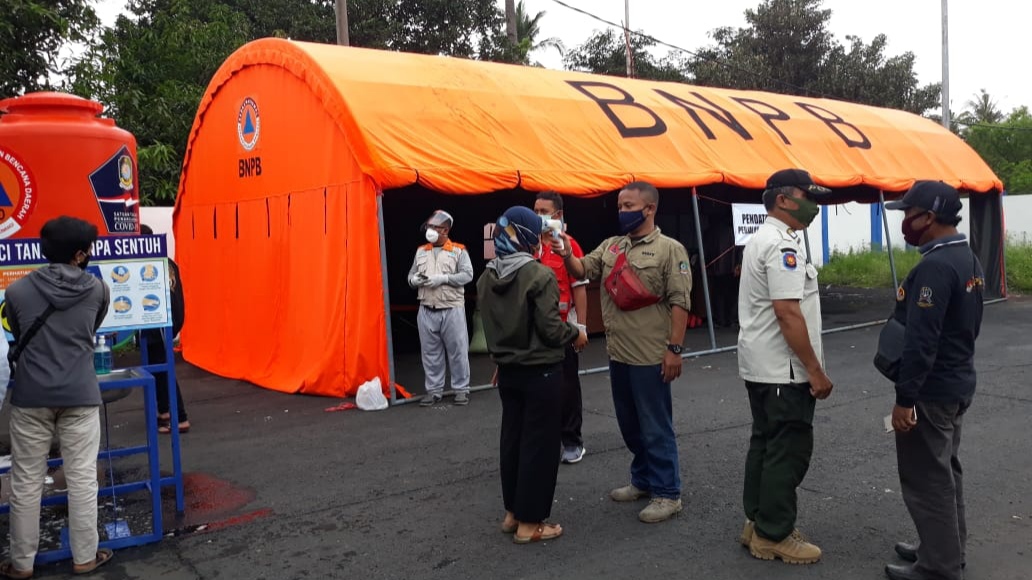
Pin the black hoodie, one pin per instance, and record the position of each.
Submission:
(56, 366)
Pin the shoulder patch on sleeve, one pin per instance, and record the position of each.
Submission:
(925, 299)
(789, 261)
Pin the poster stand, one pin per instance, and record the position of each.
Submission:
(16, 259)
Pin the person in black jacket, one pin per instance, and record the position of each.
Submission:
(156, 349)
(940, 304)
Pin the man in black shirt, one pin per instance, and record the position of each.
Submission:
(940, 304)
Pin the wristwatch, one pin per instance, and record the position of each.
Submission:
(675, 348)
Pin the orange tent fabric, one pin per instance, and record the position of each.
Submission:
(276, 221)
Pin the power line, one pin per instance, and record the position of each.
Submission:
(806, 91)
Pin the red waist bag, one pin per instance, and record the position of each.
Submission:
(626, 289)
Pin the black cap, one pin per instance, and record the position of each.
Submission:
(934, 196)
(797, 178)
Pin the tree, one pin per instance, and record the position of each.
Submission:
(787, 47)
(32, 32)
(152, 67)
(981, 109)
(1007, 148)
(528, 28)
(605, 53)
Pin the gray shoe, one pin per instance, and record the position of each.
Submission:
(660, 509)
(627, 493)
(429, 400)
(461, 399)
(572, 454)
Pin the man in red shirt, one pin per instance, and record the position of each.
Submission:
(573, 307)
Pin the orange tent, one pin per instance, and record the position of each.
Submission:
(279, 221)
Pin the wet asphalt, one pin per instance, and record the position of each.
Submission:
(285, 490)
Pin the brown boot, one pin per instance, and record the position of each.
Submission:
(791, 550)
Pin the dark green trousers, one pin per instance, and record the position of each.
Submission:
(779, 455)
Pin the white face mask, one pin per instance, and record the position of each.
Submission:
(432, 236)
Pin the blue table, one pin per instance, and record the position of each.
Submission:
(138, 377)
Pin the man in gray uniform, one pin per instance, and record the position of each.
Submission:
(439, 272)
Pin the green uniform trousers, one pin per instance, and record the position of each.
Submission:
(779, 455)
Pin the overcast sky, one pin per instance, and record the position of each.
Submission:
(989, 40)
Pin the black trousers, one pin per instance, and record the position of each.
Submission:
(573, 408)
(779, 455)
(531, 411)
(156, 355)
(933, 487)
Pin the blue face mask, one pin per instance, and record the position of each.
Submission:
(631, 220)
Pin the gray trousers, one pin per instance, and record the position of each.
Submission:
(445, 343)
(933, 490)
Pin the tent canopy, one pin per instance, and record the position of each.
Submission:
(277, 216)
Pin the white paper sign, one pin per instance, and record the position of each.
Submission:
(746, 218)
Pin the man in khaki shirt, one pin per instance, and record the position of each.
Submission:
(644, 345)
(781, 360)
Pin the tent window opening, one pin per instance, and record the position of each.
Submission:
(214, 223)
(289, 197)
(268, 219)
(325, 217)
(237, 218)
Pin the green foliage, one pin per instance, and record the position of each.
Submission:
(871, 269)
(32, 32)
(152, 67)
(1019, 268)
(605, 53)
(787, 47)
(867, 269)
(1007, 148)
(528, 28)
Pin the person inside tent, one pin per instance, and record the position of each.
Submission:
(440, 271)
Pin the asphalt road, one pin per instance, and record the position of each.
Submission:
(291, 491)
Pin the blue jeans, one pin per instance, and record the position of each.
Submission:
(645, 413)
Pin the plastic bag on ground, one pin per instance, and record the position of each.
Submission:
(370, 396)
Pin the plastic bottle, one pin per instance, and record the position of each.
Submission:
(102, 359)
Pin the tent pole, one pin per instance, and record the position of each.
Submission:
(702, 264)
(888, 238)
(386, 298)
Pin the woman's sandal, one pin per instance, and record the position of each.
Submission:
(510, 529)
(540, 535)
(7, 570)
(103, 556)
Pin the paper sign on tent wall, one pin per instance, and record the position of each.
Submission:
(747, 218)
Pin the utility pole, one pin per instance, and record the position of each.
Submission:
(510, 21)
(945, 67)
(341, 9)
(627, 37)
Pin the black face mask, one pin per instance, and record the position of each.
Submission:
(85, 262)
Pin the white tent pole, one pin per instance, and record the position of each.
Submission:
(386, 298)
(702, 266)
(888, 239)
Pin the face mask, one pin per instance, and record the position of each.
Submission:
(806, 212)
(912, 235)
(85, 262)
(631, 220)
(432, 236)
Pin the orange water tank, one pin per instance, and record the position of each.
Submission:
(58, 157)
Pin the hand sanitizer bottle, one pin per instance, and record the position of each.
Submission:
(102, 359)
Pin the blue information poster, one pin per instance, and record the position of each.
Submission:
(135, 269)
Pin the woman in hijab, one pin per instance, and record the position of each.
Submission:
(519, 302)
